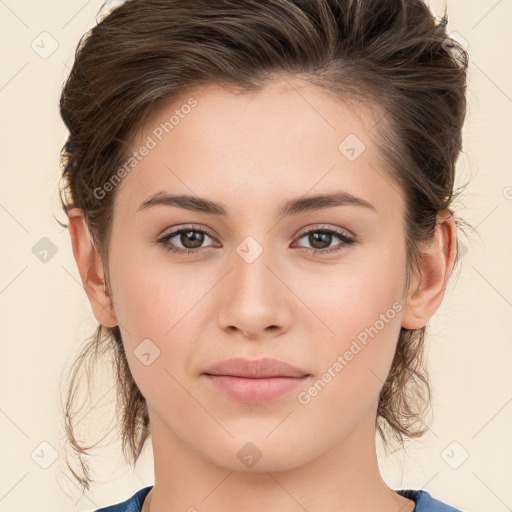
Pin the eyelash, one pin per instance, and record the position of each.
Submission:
(347, 241)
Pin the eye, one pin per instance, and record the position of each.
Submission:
(189, 237)
(321, 238)
(192, 239)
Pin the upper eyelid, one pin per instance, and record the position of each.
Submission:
(336, 231)
(176, 231)
(331, 229)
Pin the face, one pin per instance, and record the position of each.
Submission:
(316, 284)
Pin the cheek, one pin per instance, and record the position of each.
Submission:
(355, 295)
(362, 308)
(152, 300)
(152, 315)
(165, 306)
(137, 303)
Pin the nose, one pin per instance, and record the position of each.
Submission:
(254, 301)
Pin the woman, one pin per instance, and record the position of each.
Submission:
(259, 195)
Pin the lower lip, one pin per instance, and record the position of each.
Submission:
(254, 391)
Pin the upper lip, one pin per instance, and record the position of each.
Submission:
(255, 369)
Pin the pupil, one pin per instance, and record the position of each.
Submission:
(324, 238)
(191, 236)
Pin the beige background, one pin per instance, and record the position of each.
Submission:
(45, 315)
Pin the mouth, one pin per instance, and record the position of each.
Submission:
(255, 382)
(254, 391)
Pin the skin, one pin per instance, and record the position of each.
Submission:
(252, 153)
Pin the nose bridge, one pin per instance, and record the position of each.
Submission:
(254, 300)
(251, 259)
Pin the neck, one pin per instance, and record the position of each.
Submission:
(345, 477)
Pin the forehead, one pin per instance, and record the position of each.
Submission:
(289, 136)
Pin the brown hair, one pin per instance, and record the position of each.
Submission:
(392, 54)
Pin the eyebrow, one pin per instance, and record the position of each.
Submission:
(292, 207)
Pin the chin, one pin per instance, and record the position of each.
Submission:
(258, 456)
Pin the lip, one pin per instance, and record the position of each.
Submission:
(255, 369)
(254, 381)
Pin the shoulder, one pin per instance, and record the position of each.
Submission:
(132, 504)
(425, 502)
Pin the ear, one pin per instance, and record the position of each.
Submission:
(427, 289)
(90, 268)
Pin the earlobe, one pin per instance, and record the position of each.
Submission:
(90, 267)
(427, 290)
